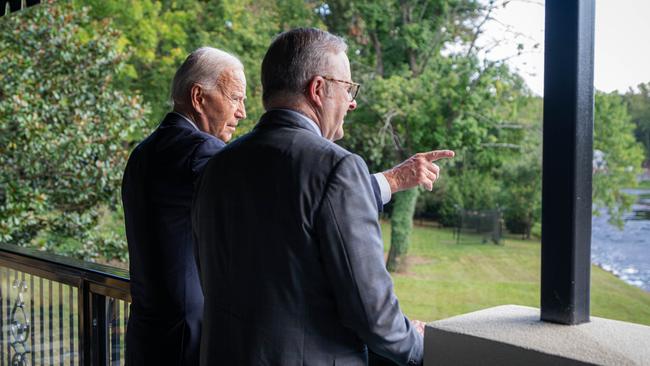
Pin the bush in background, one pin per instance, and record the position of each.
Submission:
(64, 129)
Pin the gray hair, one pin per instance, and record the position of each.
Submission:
(295, 57)
(204, 66)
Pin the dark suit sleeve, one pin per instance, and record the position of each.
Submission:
(199, 159)
(202, 153)
(377, 192)
(352, 250)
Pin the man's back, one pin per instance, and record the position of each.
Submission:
(164, 326)
(285, 282)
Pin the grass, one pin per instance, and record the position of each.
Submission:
(446, 279)
(644, 184)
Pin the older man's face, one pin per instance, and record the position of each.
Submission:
(338, 103)
(224, 106)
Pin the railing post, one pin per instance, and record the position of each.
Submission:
(100, 331)
(85, 324)
(567, 160)
(93, 324)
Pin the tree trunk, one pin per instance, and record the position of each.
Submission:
(401, 226)
(379, 57)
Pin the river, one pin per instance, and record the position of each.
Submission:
(625, 253)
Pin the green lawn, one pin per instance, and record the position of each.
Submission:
(446, 279)
(644, 184)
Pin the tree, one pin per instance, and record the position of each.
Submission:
(154, 37)
(623, 155)
(158, 35)
(418, 95)
(64, 128)
(521, 195)
(246, 28)
(520, 175)
(639, 110)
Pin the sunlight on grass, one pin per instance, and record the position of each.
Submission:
(446, 279)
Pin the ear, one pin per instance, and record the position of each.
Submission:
(197, 98)
(316, 90)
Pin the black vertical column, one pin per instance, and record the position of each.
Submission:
(100, 345)
(567, 160)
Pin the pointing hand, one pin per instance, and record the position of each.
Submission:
(419, 169)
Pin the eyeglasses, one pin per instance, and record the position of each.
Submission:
(353, 90)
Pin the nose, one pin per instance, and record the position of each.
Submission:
(240, 113)
(353, 105)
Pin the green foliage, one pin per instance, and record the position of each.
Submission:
(154, 36)
(470, 190)
(81, 82)
(488, 176)
(246, 28)
(639, 109)
(159, 35)
(417, 95)
(64, 128)
(520, 176)
(521, 195)
(517, 173)
(71, 115)
(623, 155)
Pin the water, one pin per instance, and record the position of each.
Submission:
(625, 253)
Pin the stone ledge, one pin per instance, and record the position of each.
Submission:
(514, 335)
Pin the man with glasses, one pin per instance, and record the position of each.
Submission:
(208, 94)
(353, 88)
(288, 239)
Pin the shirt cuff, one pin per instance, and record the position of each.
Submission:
(384, 187)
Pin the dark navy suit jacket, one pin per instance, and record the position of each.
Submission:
(165, 323)
(291, 255)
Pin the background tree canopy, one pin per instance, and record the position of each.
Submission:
(65, 128)
(81, 82)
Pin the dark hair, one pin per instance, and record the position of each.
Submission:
(294, 57)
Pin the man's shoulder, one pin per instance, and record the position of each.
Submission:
(174, 146)
(176, 134)
(300, 143)
(317, 144)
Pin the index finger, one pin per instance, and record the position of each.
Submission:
(439, 154)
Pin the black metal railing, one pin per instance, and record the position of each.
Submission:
(7, 6)
(56, 310)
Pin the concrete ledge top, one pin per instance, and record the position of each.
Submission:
(601, 341)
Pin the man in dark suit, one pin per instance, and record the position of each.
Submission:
(164, 327)
(208, 92)
(289, 244)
